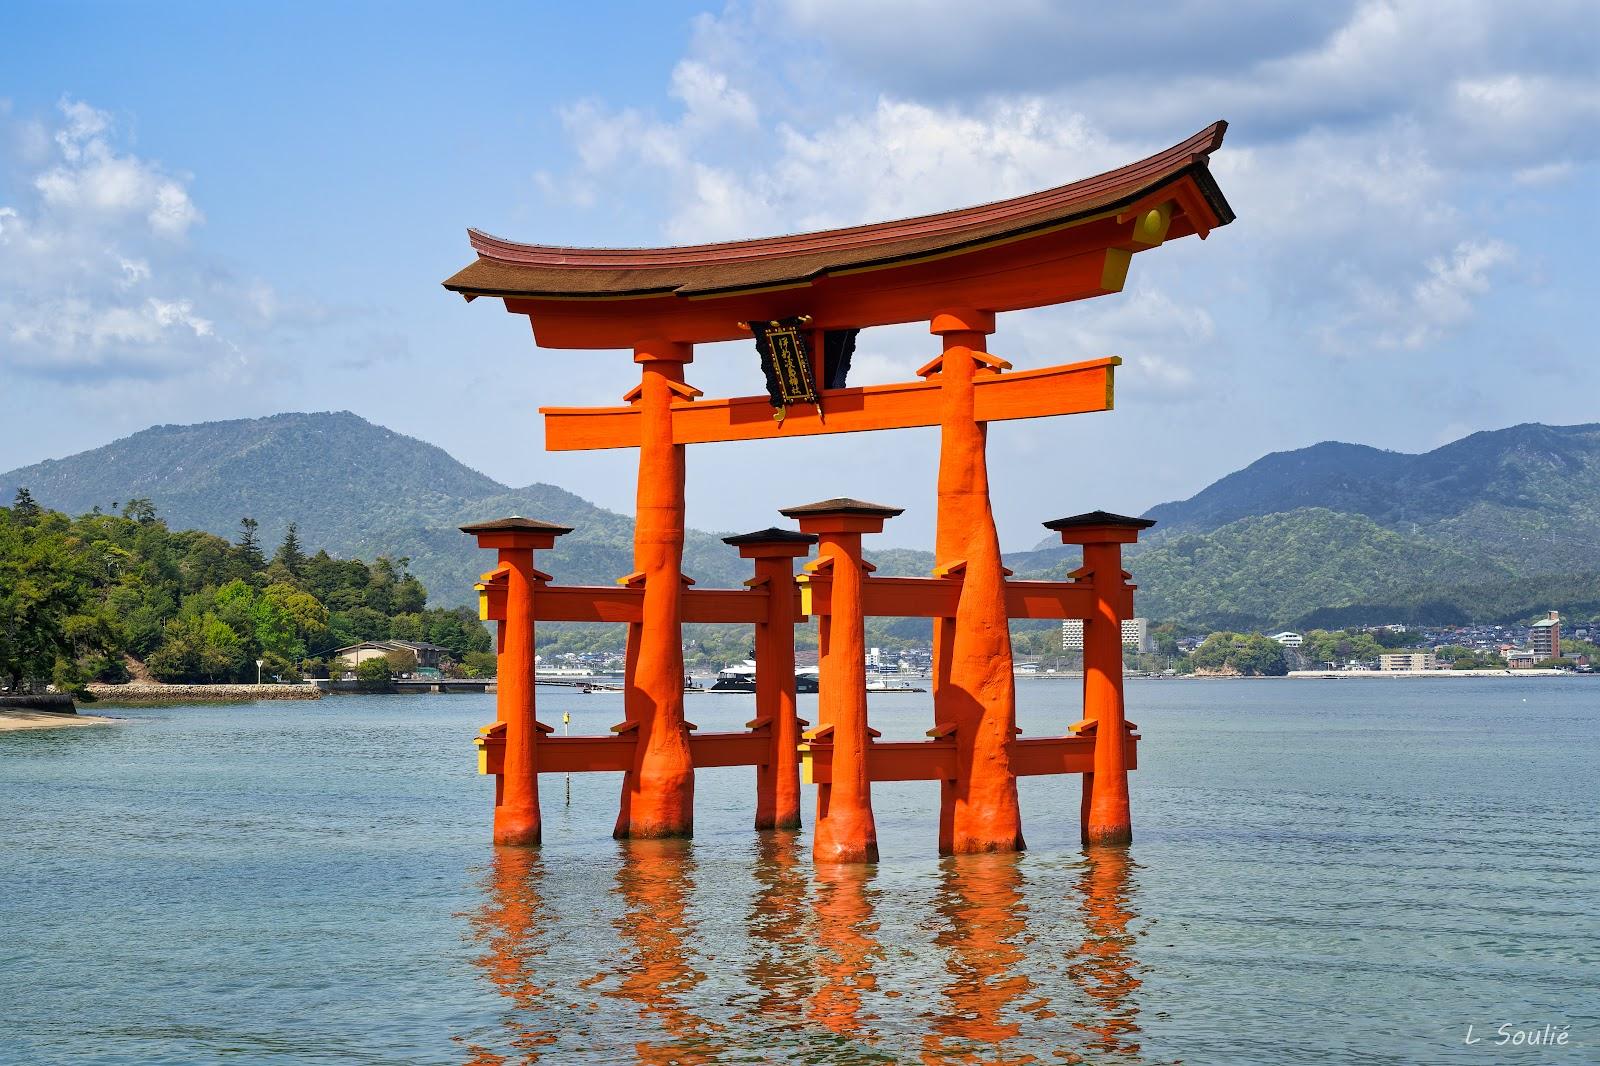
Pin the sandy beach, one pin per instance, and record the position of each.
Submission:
(12, 719)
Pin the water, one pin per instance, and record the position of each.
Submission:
(1323, 871)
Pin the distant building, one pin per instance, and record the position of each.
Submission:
(1408, 660)
(427, 655)
(1135, 634)
(1546, 637)
(1521, 660)
(1288, 639)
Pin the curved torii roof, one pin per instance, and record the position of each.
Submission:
(536, 279)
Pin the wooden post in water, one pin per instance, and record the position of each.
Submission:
(777, 780)
(974, 693)
(845, 831)
(658, 790)
(516, 809)
(1106, 815)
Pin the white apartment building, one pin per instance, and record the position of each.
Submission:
(1408, 660)
(1288, 639)
(1135, 634)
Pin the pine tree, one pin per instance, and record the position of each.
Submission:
(25, 507)
(290, 553)
(249, 546)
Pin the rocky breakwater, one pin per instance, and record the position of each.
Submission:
(139, 692)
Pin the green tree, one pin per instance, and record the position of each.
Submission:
(289, 553)
(374, 674)
(249, 543)
(43, 589)
(24, 509)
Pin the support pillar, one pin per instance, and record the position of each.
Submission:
(973, 685)
(845, 831)
(1107, 818)
(778, 779)
(658, 791)
(516, 809)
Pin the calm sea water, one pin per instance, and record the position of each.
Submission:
(1323, 872)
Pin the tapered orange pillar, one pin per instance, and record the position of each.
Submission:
(845, 831)
(516, 807)
(973, 686)
(778, 779)
(658, 791)
(1106, 815)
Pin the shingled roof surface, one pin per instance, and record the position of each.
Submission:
(506, 268)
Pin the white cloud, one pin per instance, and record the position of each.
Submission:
(98, 280)
(1544, 174)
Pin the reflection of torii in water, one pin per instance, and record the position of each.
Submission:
(655, 881)
(512, 926)
(1106, 968)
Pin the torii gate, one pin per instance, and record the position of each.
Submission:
(955, 271)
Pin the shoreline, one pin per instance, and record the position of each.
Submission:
(137, 693)
(17, 719)
(1341, 675)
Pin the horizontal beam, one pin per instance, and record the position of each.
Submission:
(599, 754)
(937, 597)
(607, 603)
(935, 760)
(1077, 388)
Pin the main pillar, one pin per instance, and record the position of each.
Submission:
(973, 686)
(658, 791)
(516, 807)
(777, 780)
(1107, 818)
(845, 831)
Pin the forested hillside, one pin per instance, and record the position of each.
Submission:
(356, 489)
(88, 598)
(1526, 498)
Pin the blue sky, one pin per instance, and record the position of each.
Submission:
(214, 211)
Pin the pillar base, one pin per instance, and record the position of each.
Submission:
(788, 822)
(842, 854)
(517, 832)
(656, 832)
(1107, 835)
(980, 846)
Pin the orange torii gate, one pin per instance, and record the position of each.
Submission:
(955, 271)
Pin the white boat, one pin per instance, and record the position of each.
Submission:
(891, 684)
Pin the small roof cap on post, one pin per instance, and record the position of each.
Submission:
(841, 505)
(1097, 527)
(772, 543)
(770, 535)
(841, 515)
(516, 524)
(515, 532)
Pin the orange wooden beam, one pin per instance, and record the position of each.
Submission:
(936, 597)
(614, 752)
(935, 760)
(603, 603)
(1076, 388)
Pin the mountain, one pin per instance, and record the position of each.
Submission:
(1501, 521)
(1278, 568)
(1526, 498)
(352, 487)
